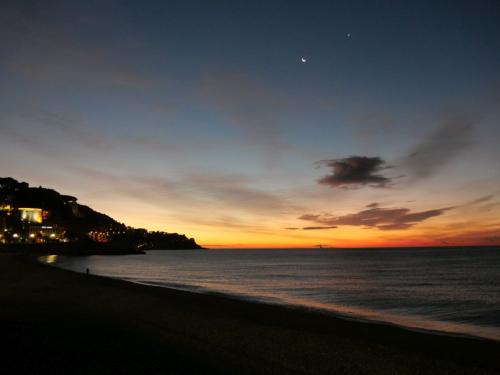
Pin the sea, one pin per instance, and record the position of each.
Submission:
(454, 291)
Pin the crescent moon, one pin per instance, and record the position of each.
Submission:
(303, 59)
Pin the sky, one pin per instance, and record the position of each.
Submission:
(199, 117)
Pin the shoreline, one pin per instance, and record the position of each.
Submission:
(325, 312)
(172, 331)
(405, 322)
(301, 308)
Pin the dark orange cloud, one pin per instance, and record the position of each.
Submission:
(319, 228)
(380, 218)
(485, 236)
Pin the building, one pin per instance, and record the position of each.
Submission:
(37, 233)
(31, 215)
(24, 225)
(3, 229)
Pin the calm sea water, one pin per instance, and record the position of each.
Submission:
(447, 290)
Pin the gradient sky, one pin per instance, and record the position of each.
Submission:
(198, 117)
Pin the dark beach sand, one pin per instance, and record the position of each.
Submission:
(58, 322)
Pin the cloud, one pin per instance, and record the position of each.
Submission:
(380, 218)
(481, 205)
(236, 192)
(262, 111)
(215, 193)
(319, 228)
(444, 144)
(69, 127)
(441, 146)
(486, 198)
(60, 133)
(250, 104)
(48, 52)
(372, 123)
(490, 235)
(226, 222)
(355, 172)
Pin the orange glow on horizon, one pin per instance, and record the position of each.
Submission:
(441, 234)
(248, 230)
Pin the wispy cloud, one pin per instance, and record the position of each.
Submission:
(375, 217)
(483, 199)
(59, 124)
(250, 104)
(482, 205)
(236, 191)
(43, 52)
(264, 112)
(468, 235)
(425, 159)
(64, 131)
(319, 228)
(440, 147)
(193, 192)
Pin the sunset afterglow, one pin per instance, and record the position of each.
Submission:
(221, 123)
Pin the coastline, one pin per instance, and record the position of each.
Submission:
(328, 312)
(54, 318)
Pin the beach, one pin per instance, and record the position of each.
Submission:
(57, 322)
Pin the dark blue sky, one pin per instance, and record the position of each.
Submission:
(169, 108)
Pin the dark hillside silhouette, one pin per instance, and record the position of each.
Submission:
(69, 222)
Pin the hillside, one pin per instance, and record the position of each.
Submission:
(37, 215)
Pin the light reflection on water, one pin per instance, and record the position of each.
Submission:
(450, 290)
(50, 259)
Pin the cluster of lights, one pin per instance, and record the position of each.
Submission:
(31, 236)
(34, 233)
(107, 232)
(99, 236)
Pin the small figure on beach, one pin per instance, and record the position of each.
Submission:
(87, 271)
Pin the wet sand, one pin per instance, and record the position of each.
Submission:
(55, 321)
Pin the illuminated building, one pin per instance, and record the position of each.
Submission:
(31, 215)
(3, 230)
(5, 207)
(100, 236)
(5, 211)
(42, 233)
